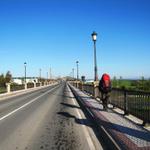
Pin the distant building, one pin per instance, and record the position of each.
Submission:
(17, 81)
(20, 80)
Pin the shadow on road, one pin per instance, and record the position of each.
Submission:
(77, 120)
(62, 95)
(70, 105)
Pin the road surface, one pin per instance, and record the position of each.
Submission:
(46, 119)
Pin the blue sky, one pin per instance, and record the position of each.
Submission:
(56, 33)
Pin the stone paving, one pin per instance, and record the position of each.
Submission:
(124, 132)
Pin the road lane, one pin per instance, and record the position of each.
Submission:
(10, 104)
(49, 122)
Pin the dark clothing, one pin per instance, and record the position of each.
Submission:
(105, 94)
(105, 99)
(104, 89)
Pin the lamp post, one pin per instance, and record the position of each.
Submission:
(47, 76)
(94, 37)
(73, 73)
(49, 73)
(40, 74)
(77, 62)
(25, 67)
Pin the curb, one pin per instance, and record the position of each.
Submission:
(107, 139)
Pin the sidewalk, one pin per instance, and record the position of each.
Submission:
(124, 133)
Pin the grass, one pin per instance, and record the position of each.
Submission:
(132, 84)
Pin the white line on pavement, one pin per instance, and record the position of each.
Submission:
(103, 128)
(26, 104)
(88, 137)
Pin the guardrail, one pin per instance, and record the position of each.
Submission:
(15, 87)
(136, 103)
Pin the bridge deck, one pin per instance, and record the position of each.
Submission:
(125, 133)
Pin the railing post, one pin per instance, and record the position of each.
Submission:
(125, 103)
(82, 88)
(8, 87)
(34, 84)
(95, 89)
(77, 84)
(40, 83)
(146, 120)
(25, 86)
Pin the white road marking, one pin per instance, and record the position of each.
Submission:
(26, 104)
(102, 127)
(89, 140)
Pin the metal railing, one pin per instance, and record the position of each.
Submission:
(37, 84)
(16, 87)
(10, 87)
(87, 88)
(30, 85)
(136, 103)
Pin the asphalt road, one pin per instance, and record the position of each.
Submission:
(46, 119)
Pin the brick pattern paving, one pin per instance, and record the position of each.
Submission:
(127, 134)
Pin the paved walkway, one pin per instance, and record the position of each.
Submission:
(124, 133)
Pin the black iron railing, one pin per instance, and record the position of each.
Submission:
(30, 85)
(136, 103)
(133, 102)
(16, 87)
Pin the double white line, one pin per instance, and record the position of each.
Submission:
(26, 104)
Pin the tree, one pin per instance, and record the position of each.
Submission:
(8, 77)
(120, 81)
(114, 81)
(147, 85)
(2, 80)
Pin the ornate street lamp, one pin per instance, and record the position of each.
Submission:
(25, 67)
(94, 37)
(77, 62)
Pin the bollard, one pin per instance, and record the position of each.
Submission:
(8, 87)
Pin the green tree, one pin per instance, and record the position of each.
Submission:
(2, 80)
(120, 81)
(8, 77)
(142, 82)
(114, 81)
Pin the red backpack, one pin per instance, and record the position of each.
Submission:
(105, 83)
